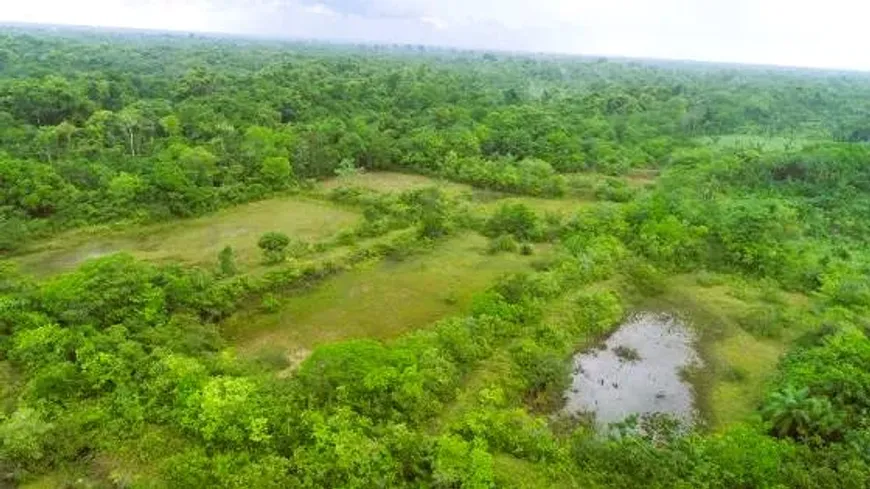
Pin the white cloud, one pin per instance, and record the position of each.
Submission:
(319, 9)
(808, 33)
(434, 22)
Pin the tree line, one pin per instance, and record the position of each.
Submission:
(101, 127)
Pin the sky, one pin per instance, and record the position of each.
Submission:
(825, 34)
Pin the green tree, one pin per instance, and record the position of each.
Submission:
(228, 413)
(795, 413)
(125, 188)
(277, 172)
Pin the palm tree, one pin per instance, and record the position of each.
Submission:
(793, 413)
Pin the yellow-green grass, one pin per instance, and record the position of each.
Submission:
(194, 241)
(641, 177)
(736, 400)
(50, 481)
(514, 473)
(584, 184)
(379, 300)
(391, 182)
(738, 365)
(563, 207)
(775, 143)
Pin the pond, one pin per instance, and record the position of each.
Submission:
(638, 371)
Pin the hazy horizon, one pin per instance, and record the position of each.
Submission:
(770, 32)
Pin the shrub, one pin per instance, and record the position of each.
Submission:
(433, 212)
(227, 262)
(270, 303)
(502, 244)
(645, 278)
(274, 246)
(626, 353)
(273, 357)
(545, 374)
(458, 463)
(518, 220)
(598, 311)
(401, 246)
(23, 436)
(512, 431)
(614, 190)
(768, 321)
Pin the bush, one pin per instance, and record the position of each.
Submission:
(274, 246)
(401, 246)
(458, 463)
(502, 244)
(513, 431)
(626, 353)
(614, 190)
(545, 374)
(13, 233)
(645, 278)
(434, 213)
(271, 303)
(769, 320)
(529, 177)
(23, 437)
(598, 311)
(518, 220)
(227, 262)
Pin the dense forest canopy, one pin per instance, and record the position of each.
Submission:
(750, 215)
(150, 127)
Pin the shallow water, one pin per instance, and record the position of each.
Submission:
(614, 387)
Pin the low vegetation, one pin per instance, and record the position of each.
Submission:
(626, 353)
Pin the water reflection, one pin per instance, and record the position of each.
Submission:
(637, 371)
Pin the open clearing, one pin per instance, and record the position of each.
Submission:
(380, 301)
(392, 182)
(738, 364)
(563, 207)
(774, 143)
(485, 200)
(194, 241)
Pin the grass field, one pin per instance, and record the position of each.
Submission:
(775, 143)
(391, 182)
(194, 241)
(564, 207)
(485, 200)
(738, 365)
(381, 301)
